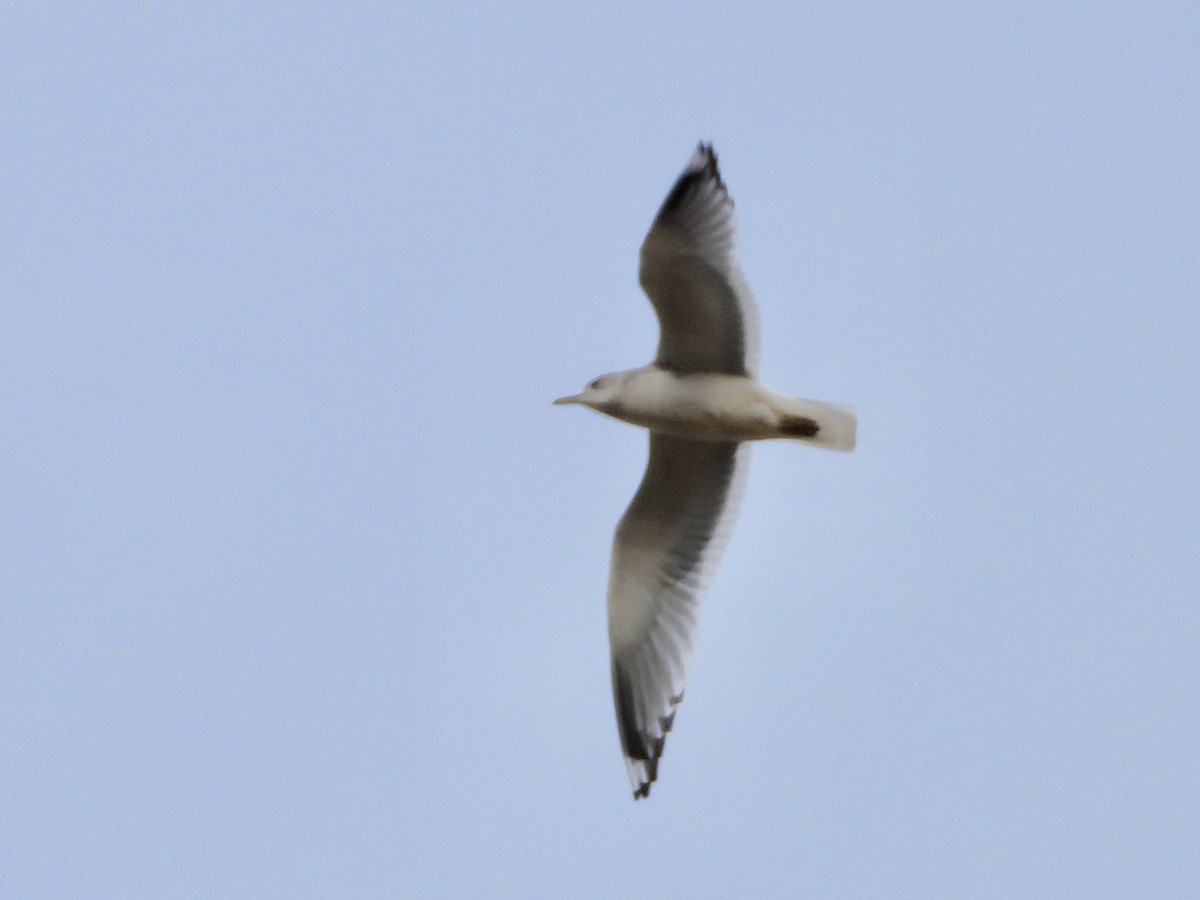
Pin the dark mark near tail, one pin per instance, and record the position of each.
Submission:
(799, 426)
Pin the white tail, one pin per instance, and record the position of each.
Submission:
(837, 426)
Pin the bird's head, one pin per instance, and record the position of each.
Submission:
(600, 393)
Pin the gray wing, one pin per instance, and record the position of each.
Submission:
(665, 550)
(706, 314)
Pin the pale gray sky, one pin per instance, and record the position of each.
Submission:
(303, 576)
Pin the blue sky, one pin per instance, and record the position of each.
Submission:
(303, 589)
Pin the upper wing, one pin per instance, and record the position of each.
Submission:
(706, 314)
(665, 550)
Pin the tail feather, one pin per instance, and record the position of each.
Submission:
(836, 426)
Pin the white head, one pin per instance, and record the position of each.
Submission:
(600, 394)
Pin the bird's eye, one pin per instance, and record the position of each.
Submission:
(594, 383)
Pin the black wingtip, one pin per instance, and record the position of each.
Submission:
(705, 150)
(633, 741)
(701, 168)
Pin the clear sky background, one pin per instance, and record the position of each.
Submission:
(303, 577)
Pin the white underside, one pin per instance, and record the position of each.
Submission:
(710, 406)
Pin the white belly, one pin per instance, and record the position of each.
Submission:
(703, 406)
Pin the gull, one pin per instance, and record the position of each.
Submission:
(701, 402)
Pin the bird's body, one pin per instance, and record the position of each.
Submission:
(701, 402)
(714, 406)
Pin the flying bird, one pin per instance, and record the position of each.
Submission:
(701, 402)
